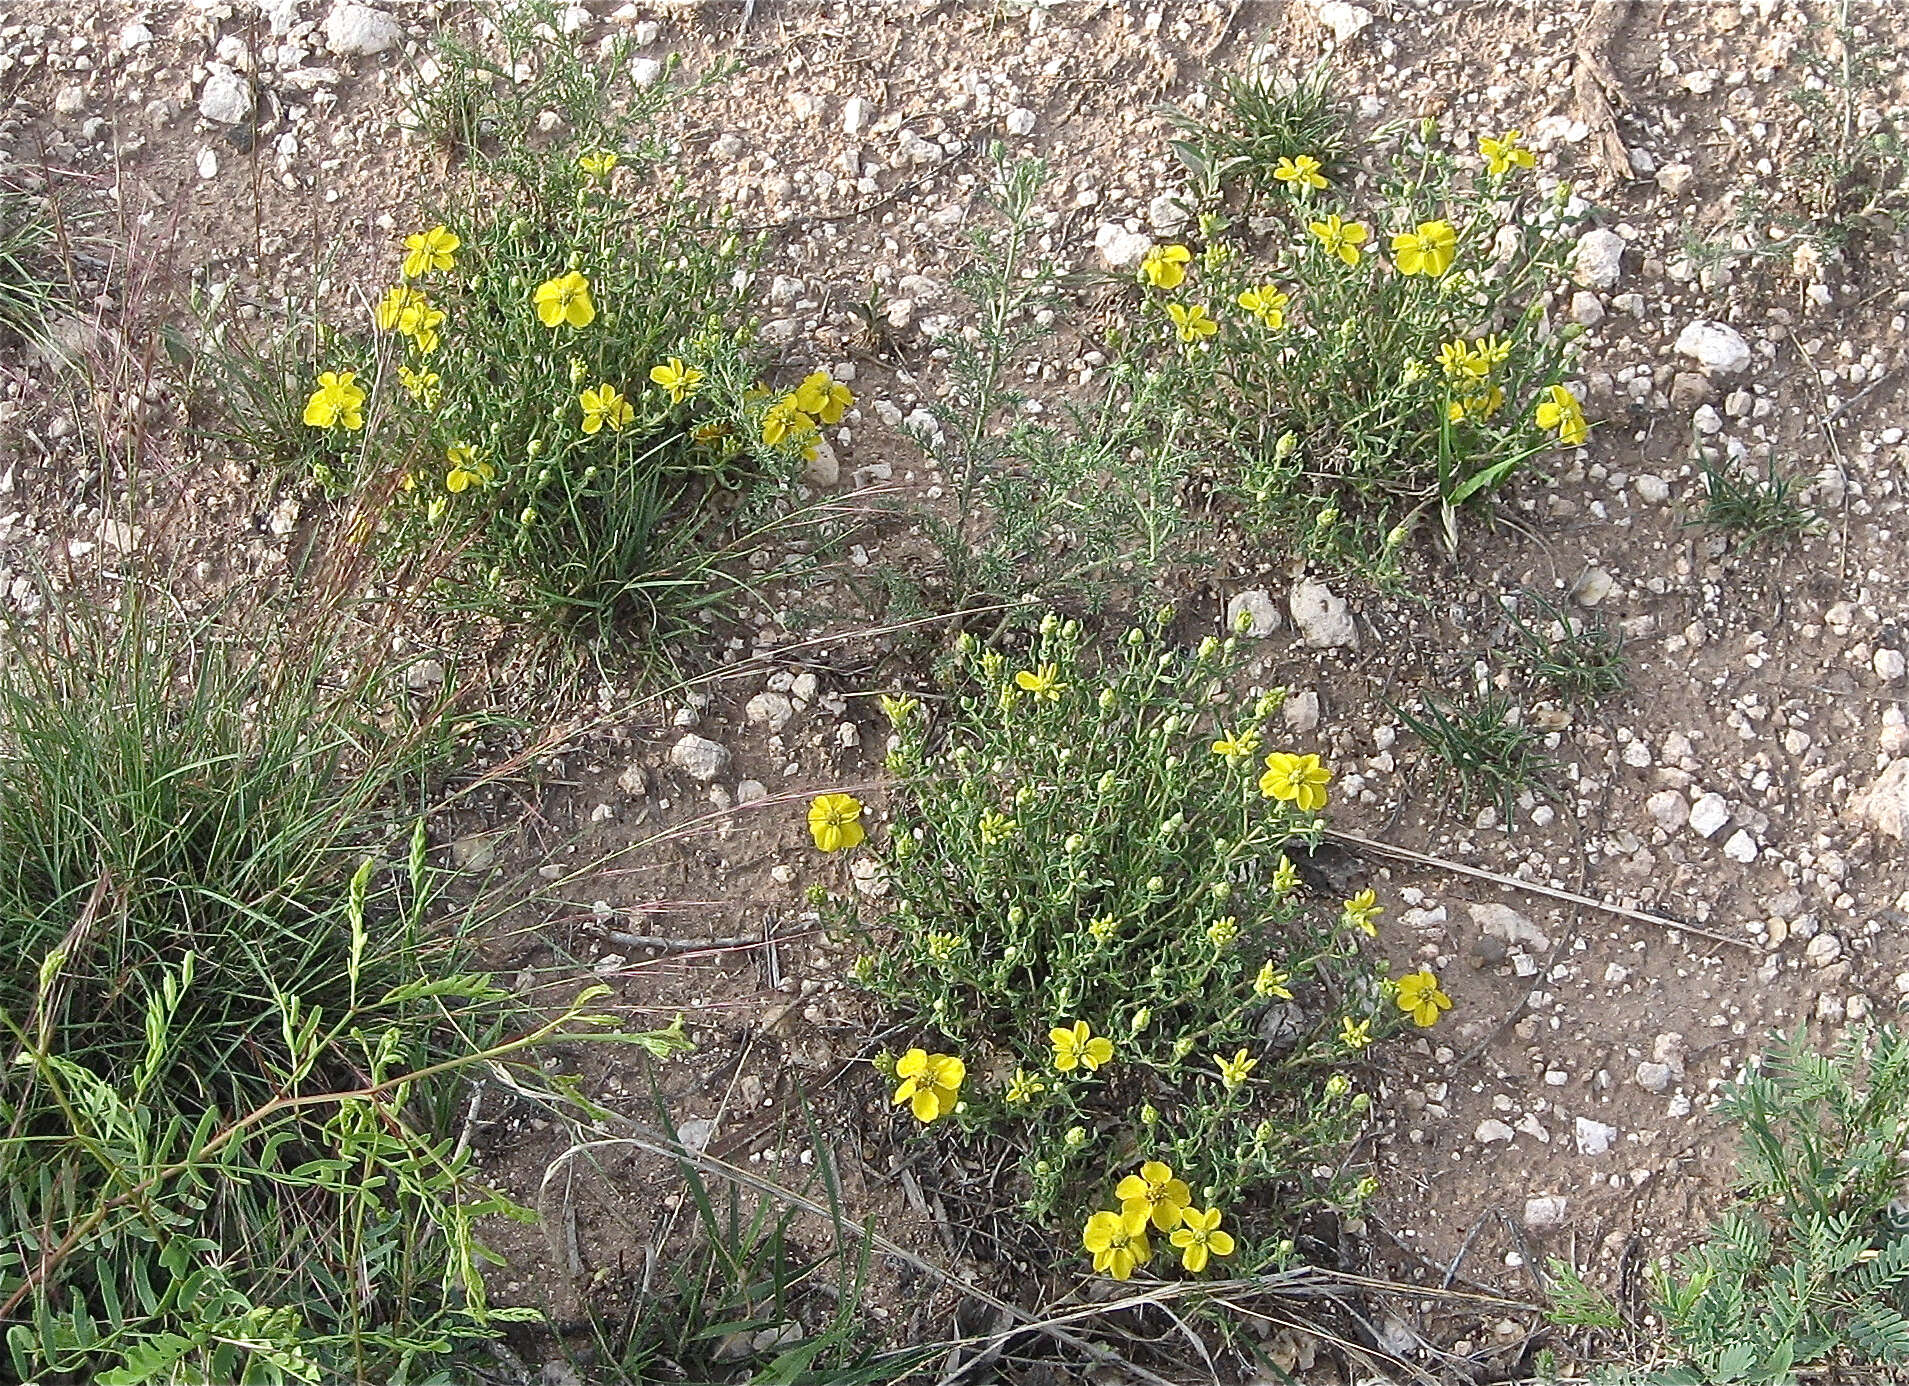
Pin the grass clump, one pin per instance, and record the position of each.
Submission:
(1094, 926)
(30, 285)
(1483, 748)
(1252, 123)
(231, 1016)
(1580, 657)
(1041, 510)
(1754, 510)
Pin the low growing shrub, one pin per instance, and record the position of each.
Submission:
(1089, 914)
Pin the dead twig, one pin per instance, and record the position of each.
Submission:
(1568, 897)
(1594, 83)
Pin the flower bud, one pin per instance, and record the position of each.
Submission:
(1142, 1018)
(1076, 1137)
(1338, 1086)
(1156, 885)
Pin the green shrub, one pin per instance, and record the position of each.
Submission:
(1346, 391)
(232, 1021)
(1082, 842)
(1810, 1267)
(1251, 124)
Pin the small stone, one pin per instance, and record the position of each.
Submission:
(1345, 21)
(645, 72)
(1716, 346)
(226, 97)
(1689, 389)
(634, 781)
(1741, 847)
(1119, 248)
(1504, 923)
(1674, 178)
(424, 676)
(1668, 809)
(854, 115)
(1652, 489)
(1708, 815)
(1020, 121)
(1323, 619)
(1889, 665)
(1654, 1077)
(1884, 806)
(771, 710)
(1167, 214)
(695, 1134)
(1587, 310)
(751, 791)
(354, 30)
(1545, 1210)
(1592, 587)
(1598, 261)
(1594, 1137)
(1254, 614)
(822, 469)
(1492, 1132)
(1823, 950)
(134, 36)
(1300, 712)
(699, 757)
(474, 853)
(207, 163)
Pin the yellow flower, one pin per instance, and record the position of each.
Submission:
(1077, 1046)
(1272, 982)
(1234, 1071)
(1490, 352)
(1043, 682)
(678, 380)
(1420, 998)
(1285, 877)
(1223, 933)
(1360, 911)
(782, 421)
(1023, 1086)
(1355, 1034)
(1302, 172)
(1238, 747)
(1296, 779)
(422, 386)
(929, 1083)
(1559, 409)
(1341, 238)
(1505, 151)
(565, 299)
(1153, 1196)
(835, 821)
(337, 400)
(824, 397)
(1267, 304)
(463, 469)
(1199, 1237)
(1461, 365)
(996, 827)
(1117, 1242)
(1191, 323)
(605, 405)
(406, 310)
(425, 251)
(1477, 404)
(1428, 251)
(1165, 266)
(596, 166)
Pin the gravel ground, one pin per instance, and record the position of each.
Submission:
(1752, 786)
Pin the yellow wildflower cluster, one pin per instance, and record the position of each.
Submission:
(799, 415)
(1153, 1200)
(1469, 377)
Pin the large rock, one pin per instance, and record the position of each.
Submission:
(699, 757)
(226, 97)
(1322, 617)
(1884, 806)
(354, 30)
(1716, 346)
(1253, 614)
(1121, 249)
(1598, 261)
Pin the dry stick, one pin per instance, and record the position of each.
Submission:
(682, 945)
(1593, 81)
(1569, 897)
